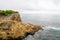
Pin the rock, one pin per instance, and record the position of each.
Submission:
(30, 28)
(13, 16)
(16, 29)
(11, 26)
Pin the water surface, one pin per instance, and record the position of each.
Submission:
(51, 23)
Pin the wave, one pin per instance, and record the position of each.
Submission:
(51, 27)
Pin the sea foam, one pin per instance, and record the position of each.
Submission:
(51, 27)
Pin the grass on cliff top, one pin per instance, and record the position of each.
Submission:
(7, 12)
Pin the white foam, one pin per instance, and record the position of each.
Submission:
(51, 27)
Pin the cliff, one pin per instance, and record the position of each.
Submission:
(9, 15)
(11, 27)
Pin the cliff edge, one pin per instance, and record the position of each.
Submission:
(11, 26)
(9, 15)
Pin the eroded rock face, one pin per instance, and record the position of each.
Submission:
(12, 27)
(14, 16)
(16, 29)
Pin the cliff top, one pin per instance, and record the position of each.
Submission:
(7, 12)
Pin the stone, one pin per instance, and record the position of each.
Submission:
(16, 29)
(14, 16)
(11, 26)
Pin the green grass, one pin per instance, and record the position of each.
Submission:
(6, 12)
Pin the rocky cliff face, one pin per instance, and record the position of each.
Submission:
(12, 27)
(14, 16)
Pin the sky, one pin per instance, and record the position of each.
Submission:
(32, 6)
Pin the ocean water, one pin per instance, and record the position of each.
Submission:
(51, 23)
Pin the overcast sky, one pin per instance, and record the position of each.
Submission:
(32, 6)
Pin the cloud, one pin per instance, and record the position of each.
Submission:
(32, 6)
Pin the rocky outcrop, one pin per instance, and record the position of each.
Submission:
(13, 16)
(12, 27)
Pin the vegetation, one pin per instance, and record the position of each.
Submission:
(6, 12)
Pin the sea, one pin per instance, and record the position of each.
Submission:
(49, 22)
